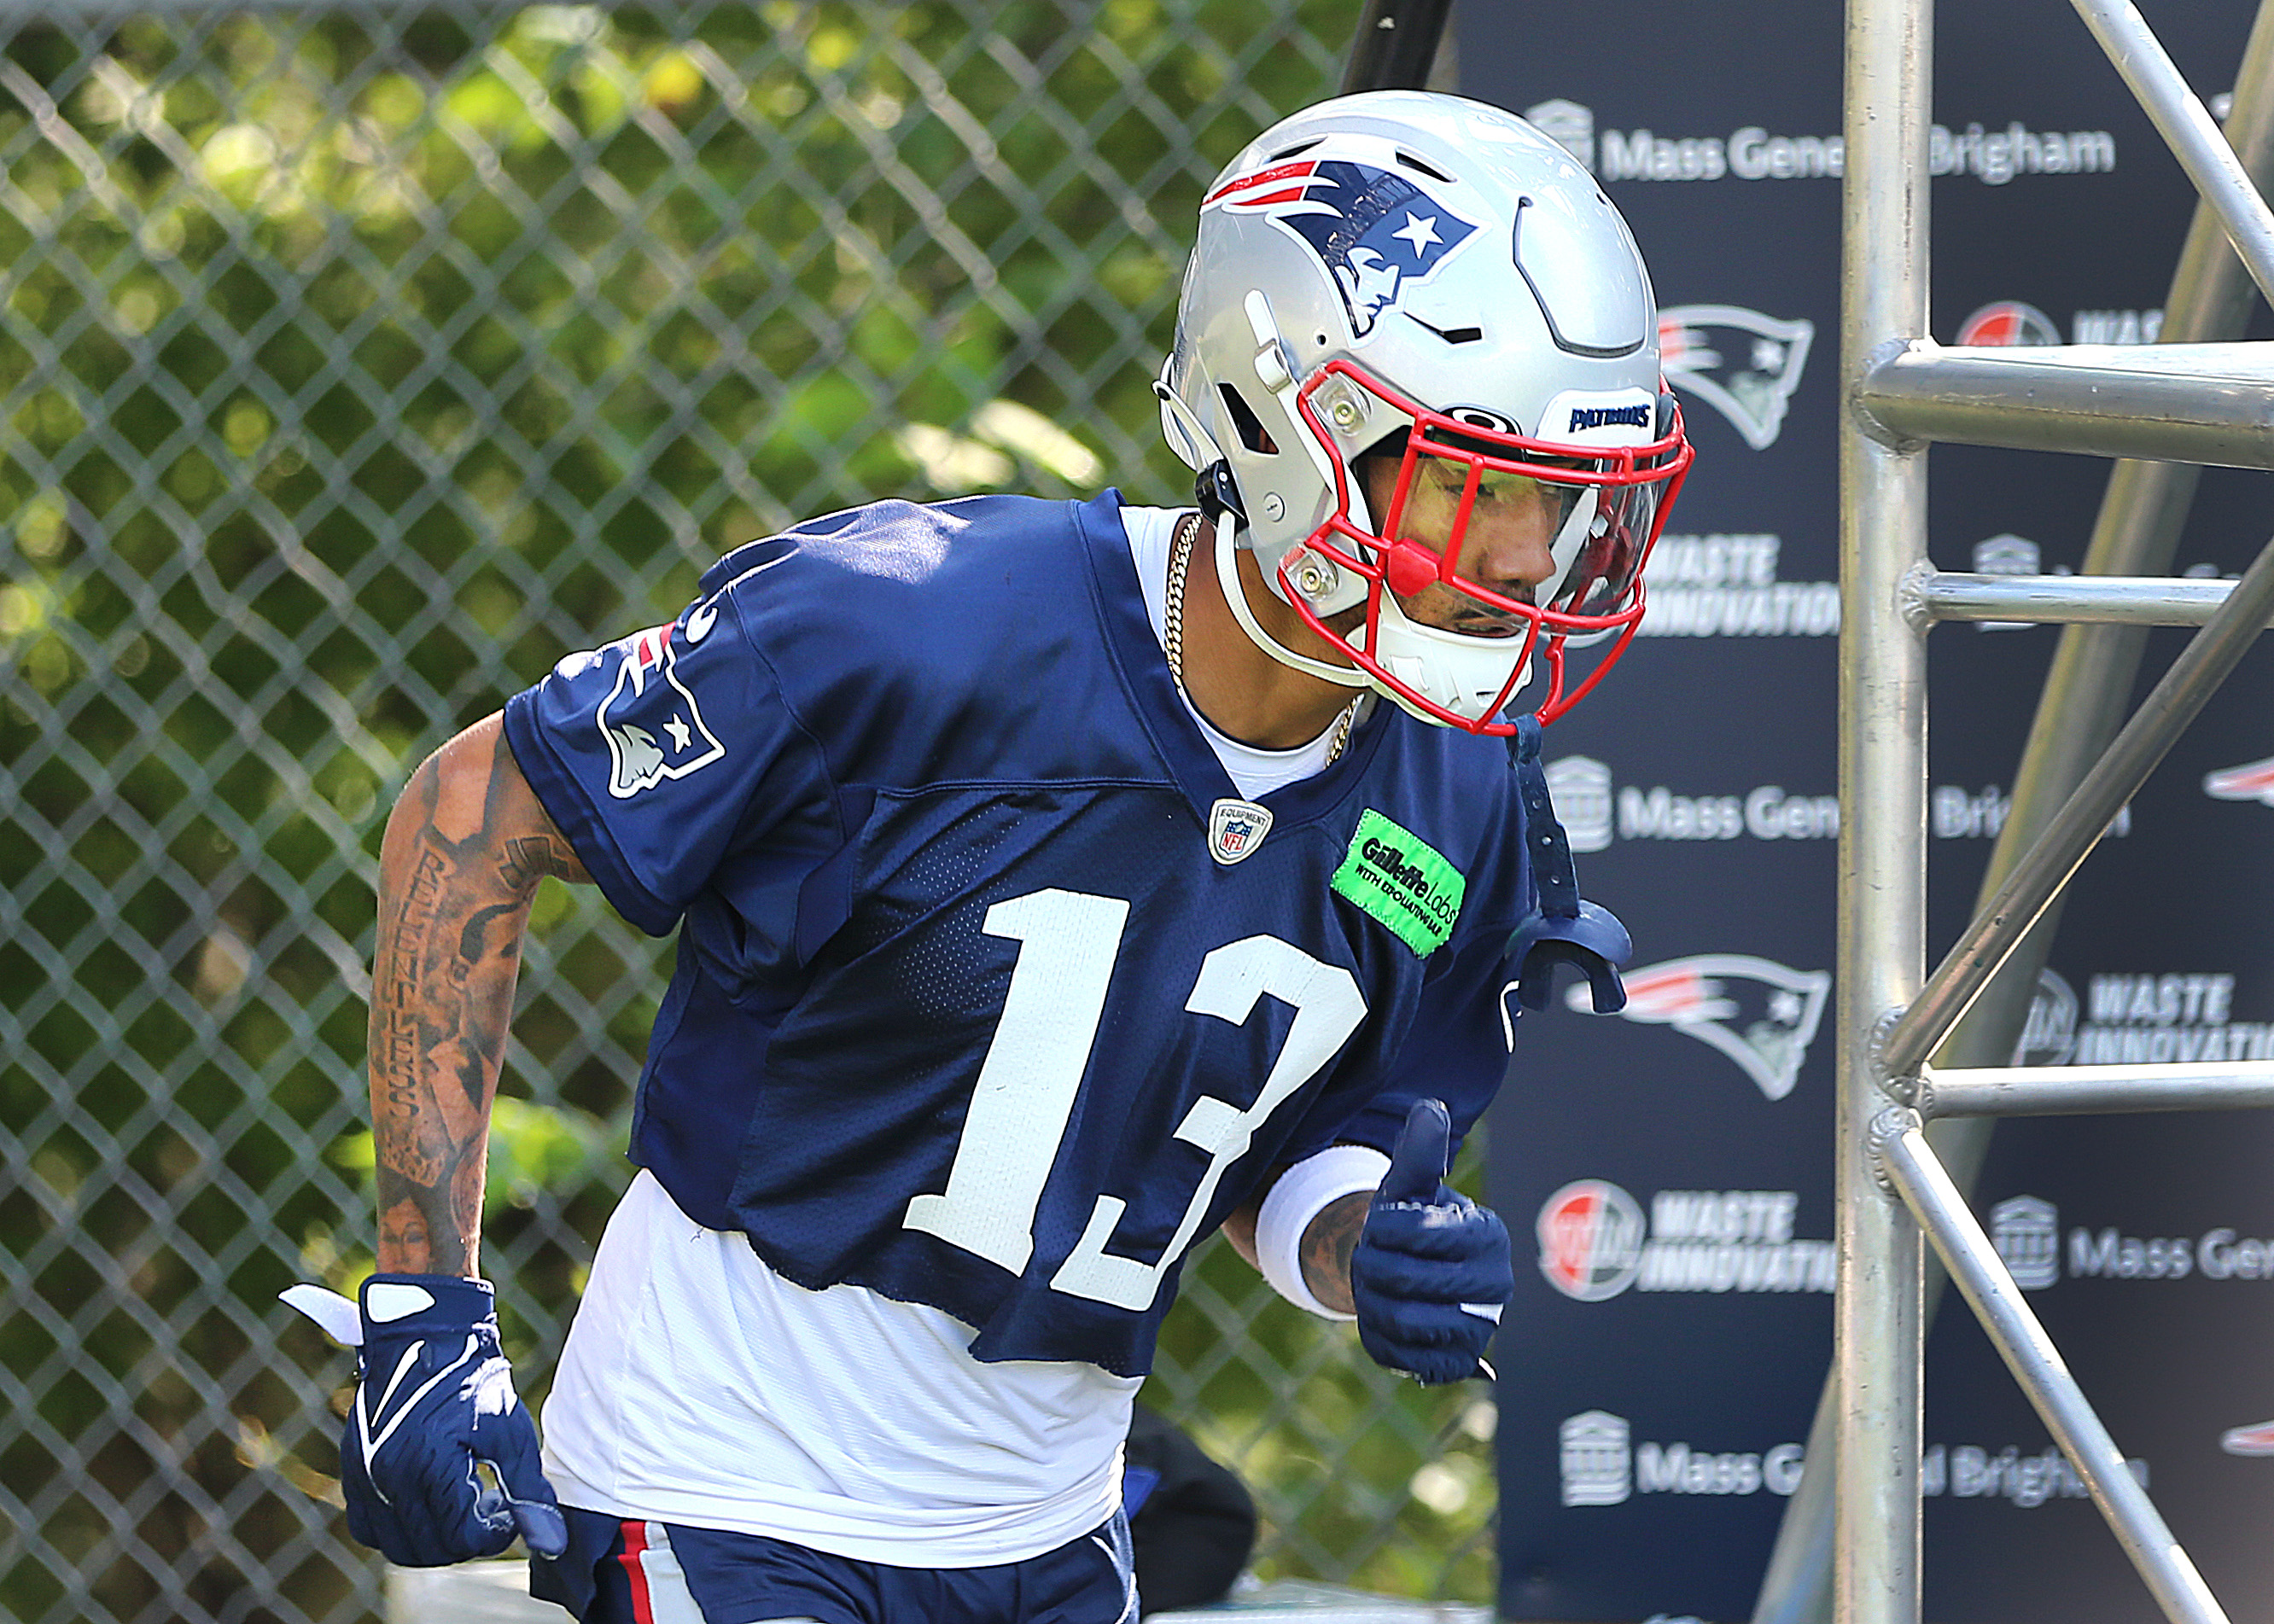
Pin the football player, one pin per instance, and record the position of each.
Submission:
(1055, 882)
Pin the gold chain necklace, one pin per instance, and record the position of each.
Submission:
(1172, 630)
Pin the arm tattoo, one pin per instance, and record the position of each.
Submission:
(530, 858)
(464, 850)
(1327, 1246)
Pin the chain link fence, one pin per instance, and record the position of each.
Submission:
(354, 363)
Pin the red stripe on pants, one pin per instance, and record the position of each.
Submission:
(635, 1546)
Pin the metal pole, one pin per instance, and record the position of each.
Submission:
(2077, 827)
(2093, 668)
(2080, 710)
(1797, 1589)
(2038, 1365)
(2054, 1090)
(2188, 130)
(1882, 886)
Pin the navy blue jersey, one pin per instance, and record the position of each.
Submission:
(970, 1008)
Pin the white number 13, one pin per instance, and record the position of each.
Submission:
(1025, 1096)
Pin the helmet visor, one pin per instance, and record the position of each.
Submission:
(1489, 537)
(1483, 533)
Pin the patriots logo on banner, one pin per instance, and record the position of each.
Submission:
(1743, 363)
(1761, 1014)
(2258, 1439)
(654, 729)
(2252, 781)
(1375, 230)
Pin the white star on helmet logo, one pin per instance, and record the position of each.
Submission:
(1420, 232)
(681, 734)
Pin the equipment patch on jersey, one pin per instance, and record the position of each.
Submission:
(1402, 881)
(654, 728)
(1375, 230)
(1236, 828)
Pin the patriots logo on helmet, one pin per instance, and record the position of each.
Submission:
(1763, 1015)
(1375, 230)
(2252, 781)
(1743, 363)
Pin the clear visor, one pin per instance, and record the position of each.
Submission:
(1472, 531)
(1514, 538)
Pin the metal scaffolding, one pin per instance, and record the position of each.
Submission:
(1853, 1550)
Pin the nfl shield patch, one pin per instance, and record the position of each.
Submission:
(1236, 828)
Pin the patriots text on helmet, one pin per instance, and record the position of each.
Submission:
(1585, 417)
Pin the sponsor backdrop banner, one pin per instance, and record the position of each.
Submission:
(1662, 1362)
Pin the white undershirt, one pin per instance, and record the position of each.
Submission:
(700, 1387)
(1256, 772)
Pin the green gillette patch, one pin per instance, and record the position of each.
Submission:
(1402, 881)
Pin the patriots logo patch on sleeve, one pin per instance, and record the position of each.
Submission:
(1375, 231)
(654, 728)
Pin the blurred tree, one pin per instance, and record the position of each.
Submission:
(356, 366)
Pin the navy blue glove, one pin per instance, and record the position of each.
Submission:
(439, 1458)
(1431, 1272)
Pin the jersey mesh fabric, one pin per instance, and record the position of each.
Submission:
(657, 1412)
(965, 1011)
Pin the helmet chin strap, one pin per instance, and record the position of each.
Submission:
(1235, 597)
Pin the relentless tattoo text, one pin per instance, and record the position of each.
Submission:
(465, 851)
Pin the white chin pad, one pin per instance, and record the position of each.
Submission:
(1462, 674)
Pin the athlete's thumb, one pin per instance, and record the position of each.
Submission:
(1417, 1162)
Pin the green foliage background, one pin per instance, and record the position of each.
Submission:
(353, 367)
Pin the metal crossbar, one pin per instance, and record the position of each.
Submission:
(2055, 1091)
(2200, 403)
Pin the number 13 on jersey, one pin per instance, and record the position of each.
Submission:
(1068, 941)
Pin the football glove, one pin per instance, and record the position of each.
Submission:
(1431, 1272)
(439, 1457)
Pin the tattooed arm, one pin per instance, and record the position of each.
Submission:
(1328, 1242)
(465, 847)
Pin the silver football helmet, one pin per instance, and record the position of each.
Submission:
(1432, 280)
